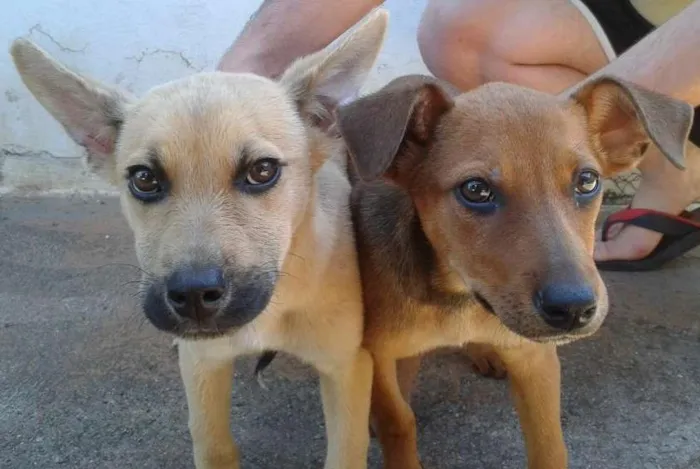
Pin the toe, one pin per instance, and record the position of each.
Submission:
(632, 243)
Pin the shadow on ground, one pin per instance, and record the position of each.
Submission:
(86, 382)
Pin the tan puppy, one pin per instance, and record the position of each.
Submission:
(238, 198)
(475, 224)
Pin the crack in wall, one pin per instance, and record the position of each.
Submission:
(172, 53)
(39, 29)
(22, 151)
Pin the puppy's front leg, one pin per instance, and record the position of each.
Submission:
(535, 377)
(345, 392)
(208, 388)
(392, 417)
(407, 370)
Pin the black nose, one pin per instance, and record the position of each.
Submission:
(196, 293)
(566, 306)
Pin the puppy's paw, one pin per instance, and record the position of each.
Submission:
(485, 361)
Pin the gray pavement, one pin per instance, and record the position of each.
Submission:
(86, 382)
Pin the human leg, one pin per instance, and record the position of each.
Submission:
(543, 44)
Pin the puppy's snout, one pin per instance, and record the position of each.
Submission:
(566, 306)
(196, 293)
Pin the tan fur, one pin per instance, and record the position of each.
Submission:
(433, 268)
(202, 131)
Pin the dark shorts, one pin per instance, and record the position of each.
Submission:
(624, 27)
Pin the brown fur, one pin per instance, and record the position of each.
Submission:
(200, 134)
(436, 273)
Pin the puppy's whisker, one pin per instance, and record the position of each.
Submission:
(122, 264)
(297, 256)
(129, 283)
(282, 273)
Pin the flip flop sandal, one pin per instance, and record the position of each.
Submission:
(681, 233)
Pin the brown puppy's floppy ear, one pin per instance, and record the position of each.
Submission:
(624, 118)
(391, 122)
(91, 113)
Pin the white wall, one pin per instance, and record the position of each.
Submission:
(137, 44)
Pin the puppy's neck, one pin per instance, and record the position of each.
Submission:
(440, 283)
(306, 243)
(448, 281)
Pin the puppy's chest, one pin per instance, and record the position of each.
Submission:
(315, 291)
(445, 325)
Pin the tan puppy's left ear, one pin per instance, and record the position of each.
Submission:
(321, 81)
(624, 118)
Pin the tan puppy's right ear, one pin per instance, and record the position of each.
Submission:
(91, 113)
(397, 120)
(319, 82)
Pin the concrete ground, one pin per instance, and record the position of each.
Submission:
(86, 382)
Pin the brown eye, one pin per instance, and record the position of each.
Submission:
(145, 181)
(143, 184)
(263, 172)
(477, 191)
(587, 183)
(477, 194)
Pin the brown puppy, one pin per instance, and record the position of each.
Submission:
(475, 219)
(238, 197)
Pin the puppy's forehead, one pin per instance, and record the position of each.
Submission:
(511, 131)
(213, 121)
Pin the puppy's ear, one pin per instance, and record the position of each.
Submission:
(623, 119)
(387, 131)
(90, 113)
(335, 74)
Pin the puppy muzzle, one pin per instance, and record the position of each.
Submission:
(206, 301)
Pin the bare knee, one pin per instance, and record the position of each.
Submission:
(472, 42)
(454, 39)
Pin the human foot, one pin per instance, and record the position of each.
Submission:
(664, 189)
(680, 234)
